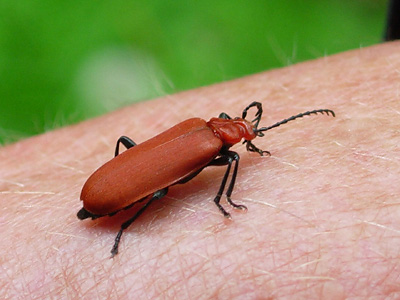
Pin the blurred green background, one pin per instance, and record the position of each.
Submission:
(64, 61)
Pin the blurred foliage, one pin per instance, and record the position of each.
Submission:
(64, 61)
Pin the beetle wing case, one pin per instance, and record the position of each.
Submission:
(148, 167)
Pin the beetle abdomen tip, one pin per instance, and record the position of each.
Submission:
(83, 214)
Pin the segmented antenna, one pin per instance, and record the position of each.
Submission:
(307, 113)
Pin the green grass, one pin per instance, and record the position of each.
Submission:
(64, 61)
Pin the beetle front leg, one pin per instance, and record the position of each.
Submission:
(253, 148)
(127, 142)
(157, 195)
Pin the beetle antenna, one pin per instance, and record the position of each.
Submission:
(307, 113)
(258, 114)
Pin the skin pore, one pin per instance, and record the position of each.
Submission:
(323, 219)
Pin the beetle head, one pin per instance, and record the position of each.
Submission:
(259, 131)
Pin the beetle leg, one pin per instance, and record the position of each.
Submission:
(252, 148)
(257, 115)
(127, 142)
(222, 161)
(232, 184)
(157, 195)
(224, 116)
(190, 177)
(227, 158)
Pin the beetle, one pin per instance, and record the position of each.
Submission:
(175, 156)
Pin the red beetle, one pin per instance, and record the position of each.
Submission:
(145, 171)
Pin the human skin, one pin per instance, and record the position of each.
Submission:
(323, 219)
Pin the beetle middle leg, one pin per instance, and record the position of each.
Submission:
(127, 142)
(227, 158)
(157, 195)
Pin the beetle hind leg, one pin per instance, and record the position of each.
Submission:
(157, 195)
